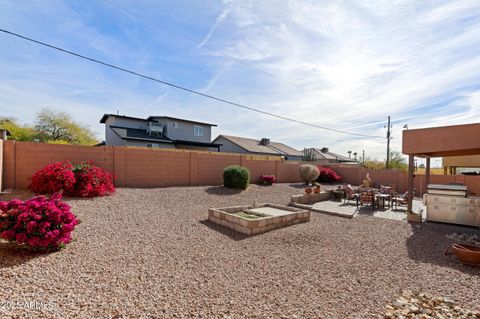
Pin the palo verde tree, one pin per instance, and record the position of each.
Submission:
(397, 161)
(59, 127)
(18, 132)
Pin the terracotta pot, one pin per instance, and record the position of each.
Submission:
(316, 190)
(467, 254)
(308, 190)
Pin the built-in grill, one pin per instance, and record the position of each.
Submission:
(450, 204)
(451, 190)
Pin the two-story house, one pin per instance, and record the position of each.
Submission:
(158, 131)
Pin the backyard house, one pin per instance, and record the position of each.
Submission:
(323, 154)
(158, 131)
(243, 145)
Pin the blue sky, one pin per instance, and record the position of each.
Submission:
(340, 64)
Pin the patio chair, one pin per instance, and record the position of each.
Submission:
(400, 199)
(368, 198)
(350, 194)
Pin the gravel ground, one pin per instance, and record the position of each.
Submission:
(150, 253)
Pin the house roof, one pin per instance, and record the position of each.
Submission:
(128, 133)
(152, 118)
(253, 146)
(192, 143)
(331, 156)
(106, 116)
(178, 119)
(138, 134)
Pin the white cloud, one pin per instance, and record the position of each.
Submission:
(408, 60)
(345, 65)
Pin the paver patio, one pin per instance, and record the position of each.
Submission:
(151, 253)
(350, 210)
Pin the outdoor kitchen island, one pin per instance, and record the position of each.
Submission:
(450, 204)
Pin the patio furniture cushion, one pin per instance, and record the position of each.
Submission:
(386, 189)
(402, 199)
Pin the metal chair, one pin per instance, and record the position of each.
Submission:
(368, 198)
(350, 194)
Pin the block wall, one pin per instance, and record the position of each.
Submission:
(137, 167)
(144, 167)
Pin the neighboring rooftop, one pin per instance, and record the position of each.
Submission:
(152, 118)
(262, 146)
(325, 154)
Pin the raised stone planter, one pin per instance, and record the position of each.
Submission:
(256, 219)
(310, 202)
(308, 199)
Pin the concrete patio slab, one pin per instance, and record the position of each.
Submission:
(349, 209)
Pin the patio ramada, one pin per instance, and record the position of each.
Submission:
(152, 253)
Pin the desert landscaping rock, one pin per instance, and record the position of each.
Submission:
(426, 306)
(465, 238)
(151, 253)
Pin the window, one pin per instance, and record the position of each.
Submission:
(175, 124)
(197, 130)
(153, 145)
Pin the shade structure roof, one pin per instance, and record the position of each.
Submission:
(442, 141)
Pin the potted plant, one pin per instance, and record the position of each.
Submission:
(338, 193)
(317, 188)
(308, 190)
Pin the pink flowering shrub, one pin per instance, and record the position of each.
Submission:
(40, 223)
(266, 179)
(92, 181)
(53, 178)
(328, 175)
(82, 180)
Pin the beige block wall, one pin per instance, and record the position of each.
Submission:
(145, 167)
(137, 167)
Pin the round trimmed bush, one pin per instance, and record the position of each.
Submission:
(82, 180)
(92, 181)
(40, 223)
(235, 176)
(54, 178)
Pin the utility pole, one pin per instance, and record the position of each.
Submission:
(363, 156)
(388, 143)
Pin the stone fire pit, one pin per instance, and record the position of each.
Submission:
(256, 219)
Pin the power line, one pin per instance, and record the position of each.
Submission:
(181, 87)
(197, 42)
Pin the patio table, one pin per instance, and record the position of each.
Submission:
(382, 197)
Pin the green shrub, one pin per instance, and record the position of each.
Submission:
(236, 177)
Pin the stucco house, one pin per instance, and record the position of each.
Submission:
(158, 131)
(324, 155)
(243, 145)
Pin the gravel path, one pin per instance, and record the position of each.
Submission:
(150, 253)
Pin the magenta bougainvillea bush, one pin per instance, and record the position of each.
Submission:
(92, 181)
(328, 175)
(82, 180)
(266, 179)
(40, 223)
(54, 178)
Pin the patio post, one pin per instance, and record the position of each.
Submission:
(410, 183)
(427, 173)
